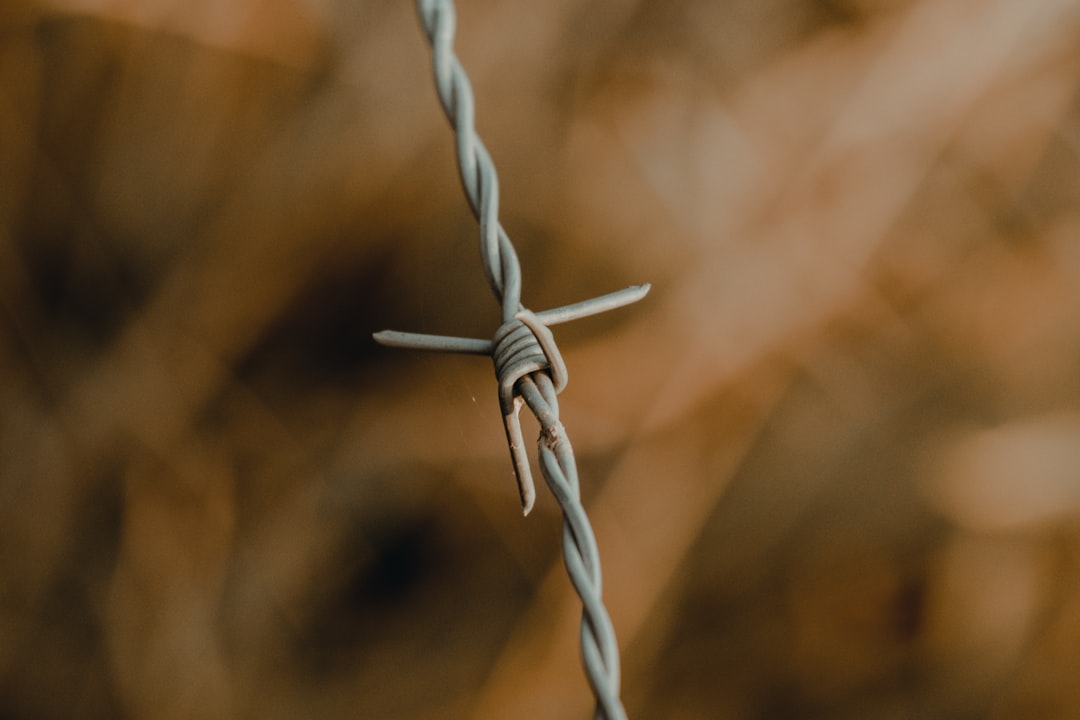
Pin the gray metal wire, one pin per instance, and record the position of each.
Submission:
(528, 364)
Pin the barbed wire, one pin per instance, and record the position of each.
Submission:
(528, 365)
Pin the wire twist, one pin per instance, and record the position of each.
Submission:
(439, 19)
(528, 364)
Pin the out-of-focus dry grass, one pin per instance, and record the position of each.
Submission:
(833, 461)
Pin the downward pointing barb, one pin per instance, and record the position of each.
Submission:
(520, 347)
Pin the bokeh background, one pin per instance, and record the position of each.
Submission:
(833, 460)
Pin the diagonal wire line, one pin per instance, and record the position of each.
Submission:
(528, 364)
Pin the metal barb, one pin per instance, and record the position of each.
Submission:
(530, 331)
(555, 316)
(528, 365)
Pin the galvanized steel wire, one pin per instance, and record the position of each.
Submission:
(528, 365)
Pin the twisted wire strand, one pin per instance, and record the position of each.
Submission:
(581, 555)
(527, 360)
(439, 19)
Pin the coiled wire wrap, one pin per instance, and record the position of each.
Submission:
(521, 347)
(528, 364)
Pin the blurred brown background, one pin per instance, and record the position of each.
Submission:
(833, 460)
